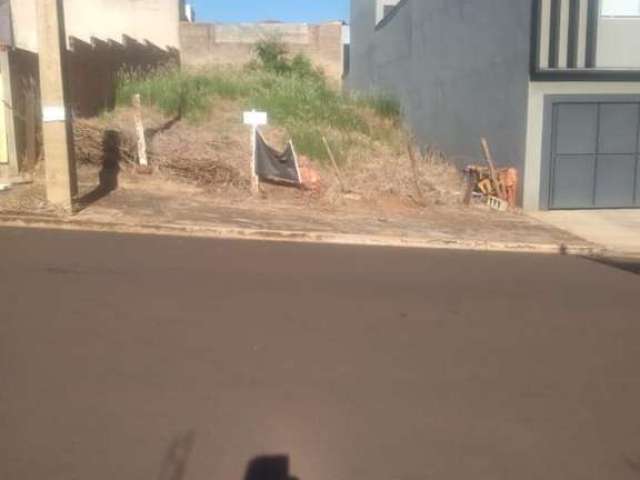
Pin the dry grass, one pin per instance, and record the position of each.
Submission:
(215, 153)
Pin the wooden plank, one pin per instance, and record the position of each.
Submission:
(343, 188)
(492, 169)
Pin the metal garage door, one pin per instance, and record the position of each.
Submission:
(595, 155)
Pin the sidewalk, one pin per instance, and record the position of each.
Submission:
(617, 230)
(147, 204)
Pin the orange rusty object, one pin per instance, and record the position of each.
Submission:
(509, 179)
(505, 186)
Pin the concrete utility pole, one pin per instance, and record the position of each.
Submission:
(57, 130)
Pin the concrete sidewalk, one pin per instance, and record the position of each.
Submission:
(616, 230)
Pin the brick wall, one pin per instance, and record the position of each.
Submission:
(92, 70)
(210, 44)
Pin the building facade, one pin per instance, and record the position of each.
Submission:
(102, 38)
(550, 83)
(154, 21)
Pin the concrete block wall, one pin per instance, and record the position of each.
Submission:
(94, 68)
(104, 37)
(155, 21)
(92, 72)
(211, 44)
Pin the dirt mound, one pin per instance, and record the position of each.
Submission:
(215, 154)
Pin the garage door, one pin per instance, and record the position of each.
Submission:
(595, 156)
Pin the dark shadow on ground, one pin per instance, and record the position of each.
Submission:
(631, 265)
(269, 467)
(150, 133)
(174, 464)
(108, 176)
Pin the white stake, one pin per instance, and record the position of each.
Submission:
(142, 141)
(254, 119)
(255, 180)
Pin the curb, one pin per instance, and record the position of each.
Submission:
(293, 236)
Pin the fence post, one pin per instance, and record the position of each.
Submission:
(142, 141)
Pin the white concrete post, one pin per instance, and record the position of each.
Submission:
(254, 119)
(61, 176)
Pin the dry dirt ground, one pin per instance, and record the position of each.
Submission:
(154, 200)
(199, 177)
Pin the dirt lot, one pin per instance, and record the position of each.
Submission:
(142, 199)
(199, 177)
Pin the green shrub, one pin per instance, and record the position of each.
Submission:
(272, 55)
(302, 67)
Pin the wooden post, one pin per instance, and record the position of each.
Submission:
(31, 116)
(57, 129)
(343, 188)
(414, 171)
(492, 169)
(255, 180)
(142, 141)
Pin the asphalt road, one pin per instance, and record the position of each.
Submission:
(151, 358)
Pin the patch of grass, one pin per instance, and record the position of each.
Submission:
(384, 104)
(292, 101)
(297, 97)
(177, 92)
(308, 142)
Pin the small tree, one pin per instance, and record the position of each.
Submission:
(272, 54)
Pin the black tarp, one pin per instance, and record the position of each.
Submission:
(274, 165)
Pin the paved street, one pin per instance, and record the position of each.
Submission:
(152, 358)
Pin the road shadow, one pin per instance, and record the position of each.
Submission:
(108, 176)
(269, 467)
(174, 464)
(630, 265)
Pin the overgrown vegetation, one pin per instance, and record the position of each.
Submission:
(297, 96)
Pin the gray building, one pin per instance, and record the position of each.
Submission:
(553, 84)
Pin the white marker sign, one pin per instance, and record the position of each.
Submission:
(255, 119)
(54, 114)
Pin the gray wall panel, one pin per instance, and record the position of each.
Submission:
(618, 128)
(460, 68)
(577, 125)
(615, 180)
(573, 181)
